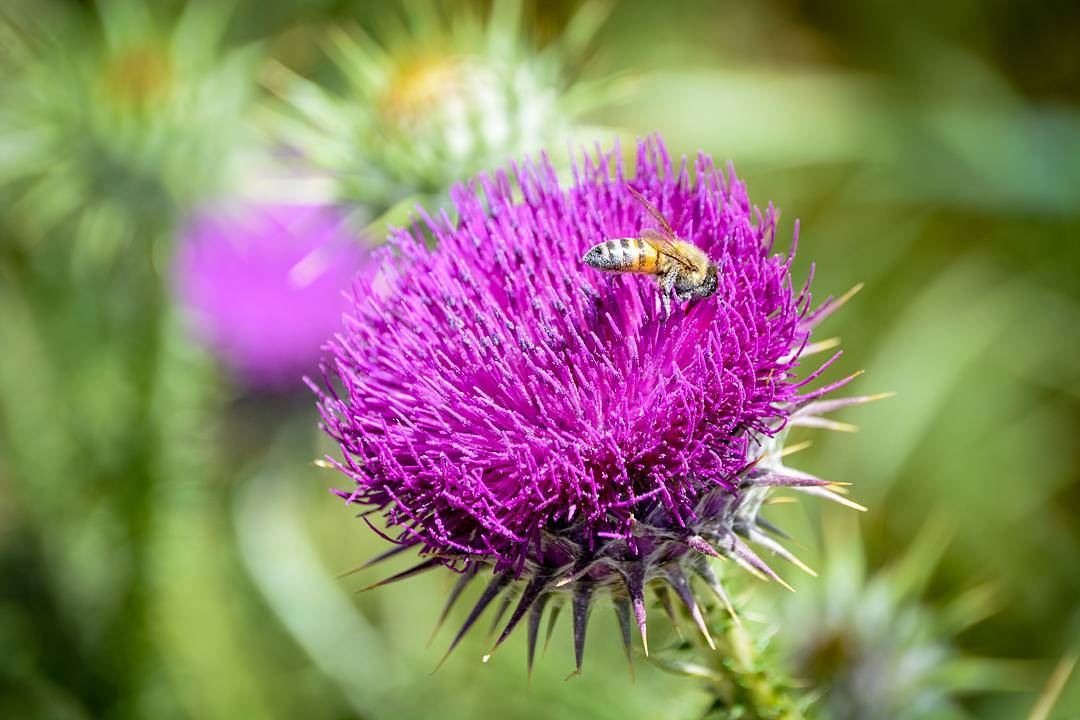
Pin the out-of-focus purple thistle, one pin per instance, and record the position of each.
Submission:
(511, 409)
(264, 284)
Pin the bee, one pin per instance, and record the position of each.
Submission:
(678, 265)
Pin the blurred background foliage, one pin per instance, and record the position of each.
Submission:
(169, 550)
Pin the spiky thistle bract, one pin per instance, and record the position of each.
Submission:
(524, 419)
(441, 96)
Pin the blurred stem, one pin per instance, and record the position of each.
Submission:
(283, 562)
(206, 645)
(93, 560)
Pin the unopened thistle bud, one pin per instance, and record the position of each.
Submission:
(448, 95)
(117, 129)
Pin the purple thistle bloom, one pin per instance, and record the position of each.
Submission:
(265, 285)
(507, 406)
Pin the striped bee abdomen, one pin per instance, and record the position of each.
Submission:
(623, 255)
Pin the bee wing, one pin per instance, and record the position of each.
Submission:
(665, 246)
(653, 211)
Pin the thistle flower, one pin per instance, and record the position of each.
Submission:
(264, 285)
(445, 96)
(510, 409)
(111, 134)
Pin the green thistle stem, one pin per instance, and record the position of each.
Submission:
(744, 685)
(740, 675)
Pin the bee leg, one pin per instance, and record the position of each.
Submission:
(667, 283)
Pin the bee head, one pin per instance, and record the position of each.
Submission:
(708, 286)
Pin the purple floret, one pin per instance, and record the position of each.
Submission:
(496, 388)
(265, 285)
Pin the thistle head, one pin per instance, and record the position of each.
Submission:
(263, 285)
(875, 646)
(518, 415)
(142, 120)
(447, 95)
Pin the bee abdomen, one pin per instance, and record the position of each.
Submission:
(622, 255)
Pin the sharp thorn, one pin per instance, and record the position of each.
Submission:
(830, 495)
(415, 570)
(499, 615)
(842, 300)
(820, 346)
(769, 527)
(467, 576)
(820, 423)
(777, 549)
(552, 617)
(797, 447)
(377, 559)
(536, 613)
(634, 578)
(530, 595)
(740, 551)
(581, 602)
(640, 616)
(622, 614)
(701, 545)
(490, 593)
(681, 586)
(705, 571)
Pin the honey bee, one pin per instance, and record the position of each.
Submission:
(678, 265)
